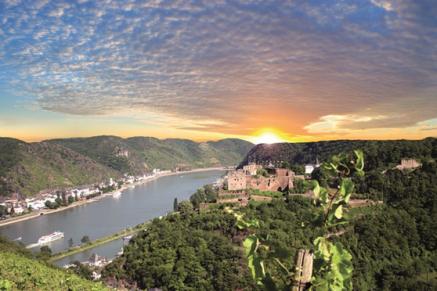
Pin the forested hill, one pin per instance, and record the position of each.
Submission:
(137, 154)
(28, 168)
(378, 153)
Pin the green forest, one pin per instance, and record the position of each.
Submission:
(393, 245)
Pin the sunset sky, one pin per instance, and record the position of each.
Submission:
(204, 70)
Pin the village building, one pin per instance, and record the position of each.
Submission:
(309, 168)
(97, 261)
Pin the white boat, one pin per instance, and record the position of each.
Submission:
(45, 239)
(116, 194)
(128, 237)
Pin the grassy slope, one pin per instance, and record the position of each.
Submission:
(20, 271)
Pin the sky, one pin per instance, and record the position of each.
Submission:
(301, 70)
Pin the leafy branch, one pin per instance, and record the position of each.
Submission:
(333, 263)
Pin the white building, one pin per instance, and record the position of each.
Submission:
(18, 210)
(35, 204)
(309, 169)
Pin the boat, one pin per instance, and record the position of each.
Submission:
(128, 237)
(116, 194)
(18, 238)
(45, 239)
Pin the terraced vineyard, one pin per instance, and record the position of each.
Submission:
(19, 270)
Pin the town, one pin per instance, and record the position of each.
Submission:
(17, 205)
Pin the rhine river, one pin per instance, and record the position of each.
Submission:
(110, 215)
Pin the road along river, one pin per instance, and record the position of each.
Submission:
(110, 214)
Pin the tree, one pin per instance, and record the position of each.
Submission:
(298, 186)
(81, 270)
(45, 252)
(51, 205)
(85, 239)
(3, 210)
(70, 199)
(185, 208)
(70, 242)
(262, 172)
(175, 204)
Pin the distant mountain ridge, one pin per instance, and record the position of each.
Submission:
(378, 153)
(28, 168)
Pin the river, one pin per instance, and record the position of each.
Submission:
(110, 215)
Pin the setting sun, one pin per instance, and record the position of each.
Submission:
(267, 137)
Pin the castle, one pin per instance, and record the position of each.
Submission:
(407, 164)
(277, 179)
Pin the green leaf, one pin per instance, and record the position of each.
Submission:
(322, 248)
(316, 189)
(339, 212)
(346, 188)
(359, 163)
(254, 262)
(324, 195)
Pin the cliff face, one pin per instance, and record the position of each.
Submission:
(28, 168)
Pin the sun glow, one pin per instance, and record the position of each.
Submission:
(267, 137)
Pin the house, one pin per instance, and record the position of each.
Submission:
(35, 204)
(309, 168)
(18, 210)
(97, 261)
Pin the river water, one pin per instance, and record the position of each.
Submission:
(110, 215)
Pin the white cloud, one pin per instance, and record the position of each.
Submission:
(384, 4)
(226, 62)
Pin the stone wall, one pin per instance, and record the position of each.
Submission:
(236, 180)
(251, 169)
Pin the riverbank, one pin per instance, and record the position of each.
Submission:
(98, 242)
(35, 214)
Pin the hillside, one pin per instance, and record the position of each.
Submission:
(378, 153)
(138, 154)
(19, 270)
(393, 245)
(28, 168)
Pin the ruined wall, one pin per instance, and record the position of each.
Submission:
(409, 164)
(274, 183)
(251, 169)
(236, 180)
